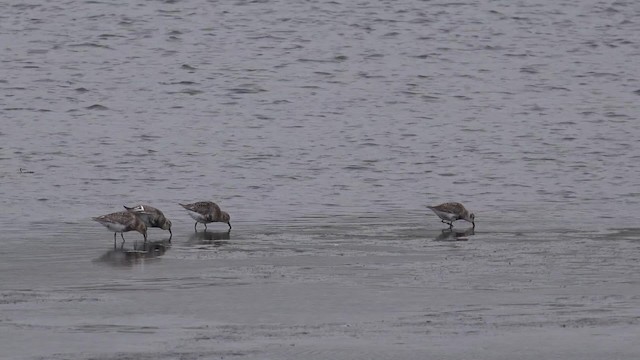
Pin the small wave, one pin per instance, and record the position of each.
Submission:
(91, 45)
(97, 107)
(247, 89)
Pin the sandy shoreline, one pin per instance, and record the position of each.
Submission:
(368, 292)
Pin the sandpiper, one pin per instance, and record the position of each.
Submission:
(206, 212)
(452, 211)
(151, 217)
(121, 222)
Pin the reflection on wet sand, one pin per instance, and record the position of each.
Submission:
(128, 257)
(455, 235)
(215, 238)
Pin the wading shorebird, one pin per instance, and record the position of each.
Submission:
(206, 212)
(151, 217)
(121, 222)
(452, 211)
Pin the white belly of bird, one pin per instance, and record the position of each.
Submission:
(198, 217)
(115, 227)
(446, 216)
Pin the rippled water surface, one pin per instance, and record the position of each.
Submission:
(324, 129)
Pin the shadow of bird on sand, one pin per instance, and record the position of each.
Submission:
(140, 253)
(455, 235)
(215, 238)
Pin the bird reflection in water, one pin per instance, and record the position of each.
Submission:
(140, 253)
(215, 238)
(455, 235)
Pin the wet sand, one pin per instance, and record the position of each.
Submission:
(357, 288)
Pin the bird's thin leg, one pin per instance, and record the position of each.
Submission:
(229, 223)
(451, 225)
(122, 244)
(114, 240)
(170, 235)
(144, 243)
(205, 227)
(195, 227)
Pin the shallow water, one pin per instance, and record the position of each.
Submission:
(361, 288)
(323, 129)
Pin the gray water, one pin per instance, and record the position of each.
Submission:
(324, 129)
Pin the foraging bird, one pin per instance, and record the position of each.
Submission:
(151, 217)
(206, 212)
(452, 211)
(121, 222)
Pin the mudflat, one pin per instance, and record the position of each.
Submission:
(356, 288)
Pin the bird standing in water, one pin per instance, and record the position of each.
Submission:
(121, 222)
(206, 212)
(152, 217)
(452, 211)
